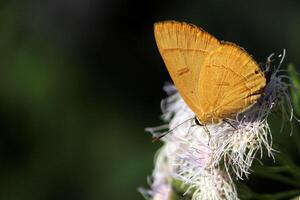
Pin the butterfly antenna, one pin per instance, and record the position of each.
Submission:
(156, 138)
(269, 62)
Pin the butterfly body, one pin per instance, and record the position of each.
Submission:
(216, 79)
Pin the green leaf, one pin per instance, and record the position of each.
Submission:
(296, 90)
(179, 191)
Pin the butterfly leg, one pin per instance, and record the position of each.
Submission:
(228, 122)
(206, 130)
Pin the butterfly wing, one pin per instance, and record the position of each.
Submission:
(183, 48)
(231, 81)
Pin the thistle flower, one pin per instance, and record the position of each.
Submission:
(205, 158)
(213, 185)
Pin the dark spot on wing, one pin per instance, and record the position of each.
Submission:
(183, 71)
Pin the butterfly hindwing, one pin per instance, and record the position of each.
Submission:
(230, 80)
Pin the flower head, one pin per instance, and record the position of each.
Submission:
(205, 157)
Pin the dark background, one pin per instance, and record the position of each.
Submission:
(80, 79)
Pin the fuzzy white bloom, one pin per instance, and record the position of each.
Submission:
(161, 186)
(238, 147)
(213, 185)
(161, 176)
(205, 157)
(187, 156)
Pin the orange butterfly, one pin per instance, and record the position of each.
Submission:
(216, 79)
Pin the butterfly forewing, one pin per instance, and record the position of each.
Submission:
(183, 48)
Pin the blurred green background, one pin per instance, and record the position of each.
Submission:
(80, 79)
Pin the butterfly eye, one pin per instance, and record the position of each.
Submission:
(198, 122)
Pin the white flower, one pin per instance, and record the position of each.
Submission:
(205, 157)
(238, 147)
(161, 177)
(213, 185)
